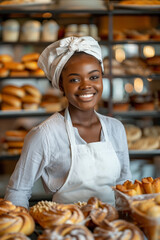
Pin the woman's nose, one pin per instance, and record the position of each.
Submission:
(85, 85)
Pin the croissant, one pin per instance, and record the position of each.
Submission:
(14, 236)
(16, 222)
(118, 230)
(58, 214)
(67, 231)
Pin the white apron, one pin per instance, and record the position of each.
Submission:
(94, 169)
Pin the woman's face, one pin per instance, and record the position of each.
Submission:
(82, 81)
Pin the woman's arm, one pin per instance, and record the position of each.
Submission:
(29, 168)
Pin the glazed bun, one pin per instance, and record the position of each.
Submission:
(14, 66)
(14, 236)
(30, 57)
(11, 100)
(13, 90)
(37, 73)
(31, 65)
(4, 58)
(31, 90)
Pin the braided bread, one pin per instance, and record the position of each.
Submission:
(67, 231)
(98, 211)
(118, 230)
(20, 221)
(56, 214)
(14, 236)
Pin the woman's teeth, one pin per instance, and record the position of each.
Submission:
(86, 96)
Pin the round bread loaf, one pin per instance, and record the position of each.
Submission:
(31, 90)
(5, 58)
(4, 72)
(17, 66)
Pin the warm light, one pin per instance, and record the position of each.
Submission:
(128, 87)
(148, 51)
(47, 15)
(138, 85)
(120, 54)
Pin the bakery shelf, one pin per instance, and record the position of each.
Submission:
(144, 153)
(25, 113)
(137, 114)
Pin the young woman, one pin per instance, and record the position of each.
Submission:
(78, 153)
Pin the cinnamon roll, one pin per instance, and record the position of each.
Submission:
(20, 221)
(67, 231)
(57, 214)
(118, 230)
(97, 211)
(6, 206)
(14, 236)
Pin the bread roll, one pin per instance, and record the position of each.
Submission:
(37, 73)
(31, 65)
(11, 100)
(23, 73)
(13, 90)
(31, 90)
(30, 57)
(14, 236)
(15, 135)
(4, 58)
(17, 66)
(7, 107)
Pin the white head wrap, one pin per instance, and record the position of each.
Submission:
(55, 56)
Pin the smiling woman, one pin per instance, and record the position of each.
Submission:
(77, 152)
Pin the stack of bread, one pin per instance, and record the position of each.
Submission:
(17, 98)
(15, 222)
(91, 220)
(12, 97)
(142, 139)
(32, 97)
(13, 141)
(24, 68)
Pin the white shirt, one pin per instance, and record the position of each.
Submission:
(46, 154)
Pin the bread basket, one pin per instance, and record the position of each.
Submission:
(149, 225)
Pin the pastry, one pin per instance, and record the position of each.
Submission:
(118, 230)
(16, 66)
(4, 72)
(31, 65)
(11, 100)
(23, 73)
(56, 214)
(15, 135)
(30, 57)
(13, 90)
(31, 90)
(5, 58)
(20, 221)
(97, 212)
(6, 206)
(14, 236)
(67, 231)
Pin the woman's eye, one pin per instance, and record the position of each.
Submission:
(74, 80)
(94, 77)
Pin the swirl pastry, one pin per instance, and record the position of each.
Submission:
(20, 221)
(57, 214)
(6, 206)
(118, 230)
(67, 231)
(14, 236)
(98, 211)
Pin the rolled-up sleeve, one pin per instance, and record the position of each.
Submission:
(29, 168)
